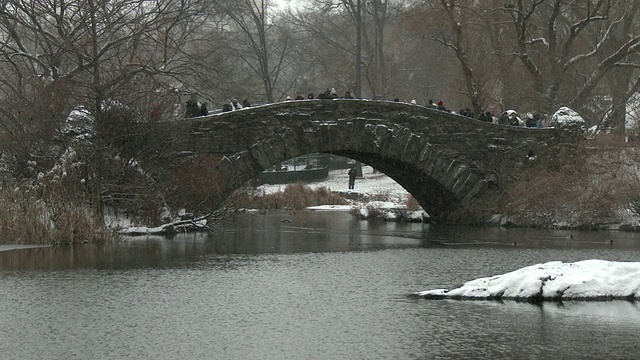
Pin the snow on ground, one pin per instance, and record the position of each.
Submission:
(20, 246)
(556, 281)
(371, 185)
(374, 190)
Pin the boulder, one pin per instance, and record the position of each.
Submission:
(566, 118)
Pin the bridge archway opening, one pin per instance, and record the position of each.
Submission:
(431, 195)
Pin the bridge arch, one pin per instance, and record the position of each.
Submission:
(449, 163)
(437, 184)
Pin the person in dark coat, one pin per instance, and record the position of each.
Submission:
(352, 178)
(203, 110)
(192, 108)
(347, 95)
(325, 95)
(531, 121)
(486, 116)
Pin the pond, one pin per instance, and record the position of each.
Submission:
(306, 285)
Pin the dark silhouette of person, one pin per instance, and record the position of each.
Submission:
(203, 110)
(352, 178)
(347, 95)
(486, 116)
(192, 108)
(325, 95)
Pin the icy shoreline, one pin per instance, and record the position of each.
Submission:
(10, 247)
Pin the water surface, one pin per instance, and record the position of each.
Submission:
(306, 285)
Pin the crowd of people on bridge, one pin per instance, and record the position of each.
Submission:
(327, 94)
(508, 117)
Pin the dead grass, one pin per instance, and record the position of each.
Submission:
(47, 217)
(294, 196)
(412, 204)
(383, 196)
(588, 191)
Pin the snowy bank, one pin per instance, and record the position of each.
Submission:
(20, 247)
(372, 185)
(553, 281)
(376, 196)
(166, 229)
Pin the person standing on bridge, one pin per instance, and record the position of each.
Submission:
(192, 108)
(227, 106)
(352, 178)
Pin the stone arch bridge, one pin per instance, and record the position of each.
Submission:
(450, 164)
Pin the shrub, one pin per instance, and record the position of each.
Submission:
(294, 196)
(590, 190)
(48, 216)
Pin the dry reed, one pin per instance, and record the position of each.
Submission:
(294, 196)
(48, 217)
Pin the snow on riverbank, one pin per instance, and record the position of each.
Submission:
(553, 281)
(374, 190)
(370, 185)
(9, 247)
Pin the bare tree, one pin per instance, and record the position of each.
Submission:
(457, 43)
(97, 54)
(559, 29)
(254, 38)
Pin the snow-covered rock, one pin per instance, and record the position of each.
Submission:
(79, 124)
(567, 118)
(553, 281)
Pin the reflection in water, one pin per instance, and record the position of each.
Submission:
(307, 285)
